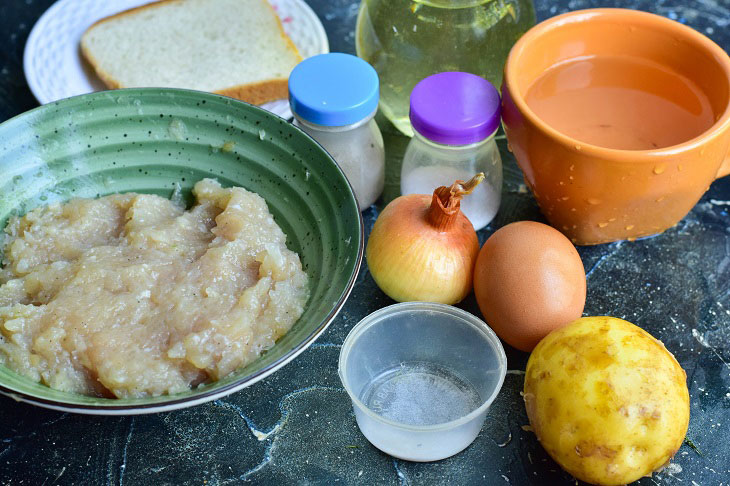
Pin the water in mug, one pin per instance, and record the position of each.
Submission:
(620, 102)
(406, 41)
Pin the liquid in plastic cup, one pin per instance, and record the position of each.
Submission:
(421, 377)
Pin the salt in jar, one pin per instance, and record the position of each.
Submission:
(334, 98)
(455, 116)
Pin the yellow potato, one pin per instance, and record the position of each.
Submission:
(606, 400)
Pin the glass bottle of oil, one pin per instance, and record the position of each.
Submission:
(408, 40)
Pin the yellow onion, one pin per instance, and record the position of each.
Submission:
(423, 248)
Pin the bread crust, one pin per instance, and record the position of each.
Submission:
(255, 93)
(258, 93)
(152, 4)
(106, 78)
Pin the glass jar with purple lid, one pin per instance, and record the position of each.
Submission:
(455, 116)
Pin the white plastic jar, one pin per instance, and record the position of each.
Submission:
(455, 116)
(334, 98)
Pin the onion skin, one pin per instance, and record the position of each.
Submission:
(413, 259)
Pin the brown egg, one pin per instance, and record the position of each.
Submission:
(528, 281)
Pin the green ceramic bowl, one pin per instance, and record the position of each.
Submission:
(150, 140)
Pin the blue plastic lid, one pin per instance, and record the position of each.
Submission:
(333, 89)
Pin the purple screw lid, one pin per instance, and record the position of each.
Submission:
(455, 108)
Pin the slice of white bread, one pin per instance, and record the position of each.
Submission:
(236, 48)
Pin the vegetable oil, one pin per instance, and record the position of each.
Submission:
(408, 40)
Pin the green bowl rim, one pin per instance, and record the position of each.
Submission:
(244, 381)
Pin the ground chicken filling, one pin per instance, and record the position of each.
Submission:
(130, 295)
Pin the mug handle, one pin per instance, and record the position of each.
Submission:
(724, 168)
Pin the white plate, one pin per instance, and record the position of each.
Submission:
(55, 69)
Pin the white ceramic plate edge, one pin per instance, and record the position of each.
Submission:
(319, 45)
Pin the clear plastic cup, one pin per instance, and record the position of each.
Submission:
(421, 377)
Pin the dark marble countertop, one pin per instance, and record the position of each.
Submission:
(297, 426)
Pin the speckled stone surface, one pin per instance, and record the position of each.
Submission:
(297, 426)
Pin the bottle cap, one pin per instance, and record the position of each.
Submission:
(333, 89)
(455, 108)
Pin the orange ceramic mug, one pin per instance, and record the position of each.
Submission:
(596, 194)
